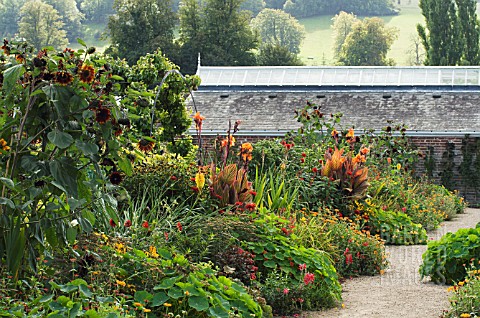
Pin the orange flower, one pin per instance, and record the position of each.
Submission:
(350, 134)
(337, 159)
(364, 151)
(334, 133)
(246, 151)
(225, 141)
(198, 120)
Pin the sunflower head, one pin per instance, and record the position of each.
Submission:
(102, 115)
(145, 145)
(63, 78)
(115, 178)
(86, 73)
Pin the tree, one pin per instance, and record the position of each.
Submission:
(41, 25)
(219, 31)
(71, 17)
(140, 27)
(415, 53)
(97, 10)
(276, 27)
(368, 43)
(9, 17)
(342, 26)
(277, 55)
(470, 30)
(451, 33)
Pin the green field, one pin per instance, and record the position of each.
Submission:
(317, 46)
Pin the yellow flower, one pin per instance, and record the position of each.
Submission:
(167, 305)
(461, 283)
(399, 166)
(465, 315)
(137, 305)
(95, 273)
(121, 283)
(152, 252)
(146, 310)
(246, 151)
(187, 293)
(120, 248)
(200, 180)
(283, 166)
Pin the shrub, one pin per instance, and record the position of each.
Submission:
(396, 228)
(357, 252)
(445, 259)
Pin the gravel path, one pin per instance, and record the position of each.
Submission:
(399, 292)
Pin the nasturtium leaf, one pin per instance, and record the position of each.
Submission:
(166, 283)
(85, 291)
(200, 303)
(175, 293)
(60, 139)
(159, 299)
(46, 298)
(270, 264)
(141, 296)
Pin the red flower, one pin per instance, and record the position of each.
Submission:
(346, 251)
(253, 193)
(145, 224)
(251, 206)
(302, 267)
(127, 223)
(365, 243)
(309, 278)
(300, 300)
(173, 178)
(304, 154)
(166, 235)
(285, 291)
(404, 209)
(195, 189)
(302, 160)
(314, 170)
(112, 223)
(253, 276)
(179, 226)
(348, 259)
(284, 230)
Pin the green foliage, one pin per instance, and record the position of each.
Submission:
(448, 166)
(464, 300)
(97, 11)
(307, 8)
(354, 252)
(445, 259)
(277, 55)
(59, 131)
(9, 17)
(140, 27)
(41, 25)
(71, 17)
(368, 44)
(276, 27)
(396, 228)
(342, 26)
(275, 251)
(451, 33)
(219, 31)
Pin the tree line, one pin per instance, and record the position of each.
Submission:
(224, 33)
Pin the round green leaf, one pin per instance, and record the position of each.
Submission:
(198, 302)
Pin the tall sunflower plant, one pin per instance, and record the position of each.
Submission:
(61, 155)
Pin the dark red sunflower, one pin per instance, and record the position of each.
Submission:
(102, 115)
(20, 58)
(145, 145)
(86, 73)
(116, 178)
(63, 78)
(5, 47)
(69, 52)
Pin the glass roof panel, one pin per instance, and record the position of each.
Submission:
(338, 76)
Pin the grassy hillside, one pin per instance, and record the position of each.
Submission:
(318, 43)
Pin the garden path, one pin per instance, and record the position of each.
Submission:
(399, 292)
